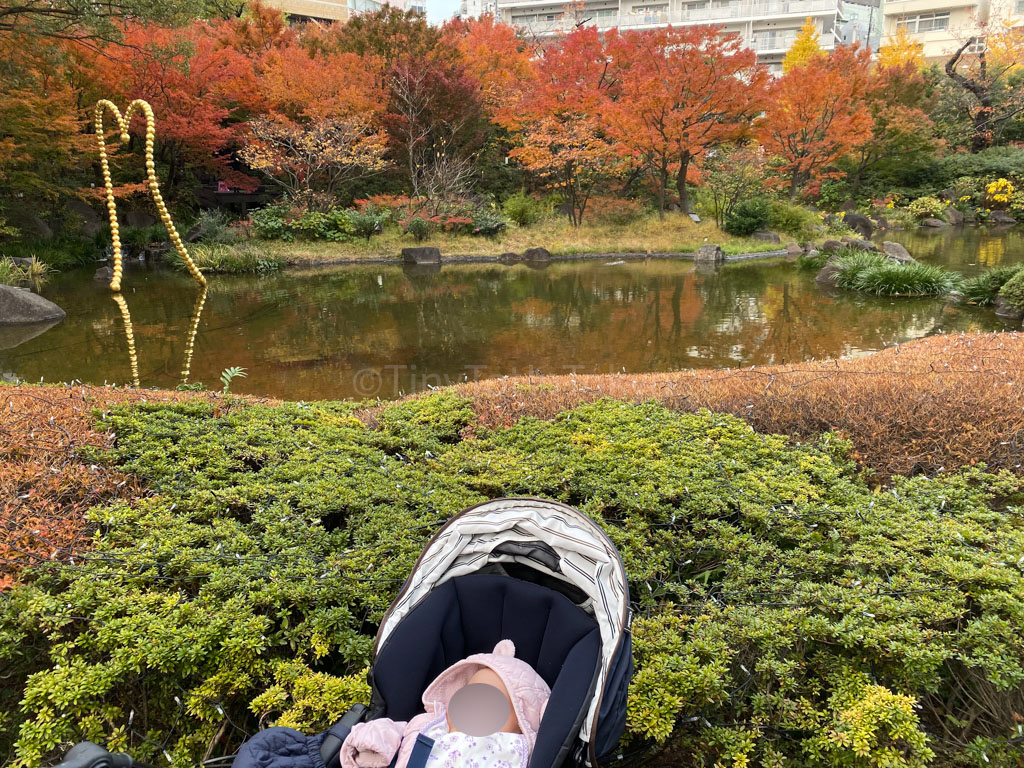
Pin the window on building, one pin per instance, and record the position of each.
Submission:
(923, 22)
(1019, 7)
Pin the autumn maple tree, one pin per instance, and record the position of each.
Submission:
(678, 91)
(194, 85)
(561, 135)
(896, 97)
(816, 114)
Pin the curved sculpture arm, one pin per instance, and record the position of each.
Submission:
(123, 121)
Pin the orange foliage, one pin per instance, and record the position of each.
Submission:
(494, 55)
(562, 136)
(678, 92)
(193, 83)
(815, 116)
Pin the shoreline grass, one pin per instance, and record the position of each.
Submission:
(677, 233)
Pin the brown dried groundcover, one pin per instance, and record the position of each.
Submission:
(940, 403)
(45, 485)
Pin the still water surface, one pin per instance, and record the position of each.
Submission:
(379, 331)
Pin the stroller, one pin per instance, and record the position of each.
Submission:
(536, 572)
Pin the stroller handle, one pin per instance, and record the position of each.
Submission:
(85, 754)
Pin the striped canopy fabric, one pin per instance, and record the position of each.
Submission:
(548, 536)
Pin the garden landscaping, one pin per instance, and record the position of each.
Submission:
(217, 564)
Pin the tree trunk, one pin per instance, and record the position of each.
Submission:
(662, 187)
(981, 120)
(684, 196)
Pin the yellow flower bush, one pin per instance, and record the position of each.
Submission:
(997, 194)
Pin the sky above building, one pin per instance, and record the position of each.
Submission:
(439, 10)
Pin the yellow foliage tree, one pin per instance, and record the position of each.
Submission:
(1005, 44)
(805, 48)
(900, 50)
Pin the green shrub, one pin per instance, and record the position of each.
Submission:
(366, 224)
(790, 219)
(983, 289)
(1013, 290)
(242, 258)
(269, 223)
(806, 261)
(487, 223)
(419, 228)
(278, 222)
(214, 227)
(787, 613)
(11, 273)
(928, 208)
(523, 210)
(748, 216)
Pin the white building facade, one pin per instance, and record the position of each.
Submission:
(767, 26)
(942, 26)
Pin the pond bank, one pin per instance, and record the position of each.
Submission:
(555, 257)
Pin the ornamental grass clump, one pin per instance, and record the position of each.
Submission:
(787, 612)
(982, 289)
(874, 273)
(893, 279)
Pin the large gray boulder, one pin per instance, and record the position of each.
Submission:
(21, 307)
(954, 217)
(422, 255)
(859, 223)
(831, 246)
(896, 252)
(766, 236)
(828, 277)
(1007, 310)
(536, 254)
(1001, 217)
(709, 254)
(137, 219)
(863, 245)
(82, 216)
(933, 223)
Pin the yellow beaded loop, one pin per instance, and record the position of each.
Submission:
(154, 186)
(190, 343)
(126, 316)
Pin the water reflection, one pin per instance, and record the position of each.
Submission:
(380, 331)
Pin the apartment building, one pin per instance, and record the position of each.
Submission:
(313, 10)
(767, 26)
(942, 26)
(339, 10)
(472, 9)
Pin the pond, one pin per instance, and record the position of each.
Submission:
(381, 331)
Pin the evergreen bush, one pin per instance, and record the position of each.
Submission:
(787, 613)
(748, 216)
(1013, 290)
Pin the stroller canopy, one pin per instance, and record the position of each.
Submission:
(565, 547)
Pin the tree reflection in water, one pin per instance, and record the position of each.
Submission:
(381, 330)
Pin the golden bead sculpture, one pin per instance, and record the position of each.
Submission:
(123, 121)
(129, 333)
(190, 342)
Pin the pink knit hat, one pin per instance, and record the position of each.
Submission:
(527, 690)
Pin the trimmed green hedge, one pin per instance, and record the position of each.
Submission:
(788, 614)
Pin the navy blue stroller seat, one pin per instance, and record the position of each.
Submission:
(536, 572)
(470, 614)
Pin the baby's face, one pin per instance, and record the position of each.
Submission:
(489, 677)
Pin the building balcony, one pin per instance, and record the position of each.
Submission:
(556, 22)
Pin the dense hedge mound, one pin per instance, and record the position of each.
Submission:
(786, 614)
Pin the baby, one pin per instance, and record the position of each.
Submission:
(374, 744)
